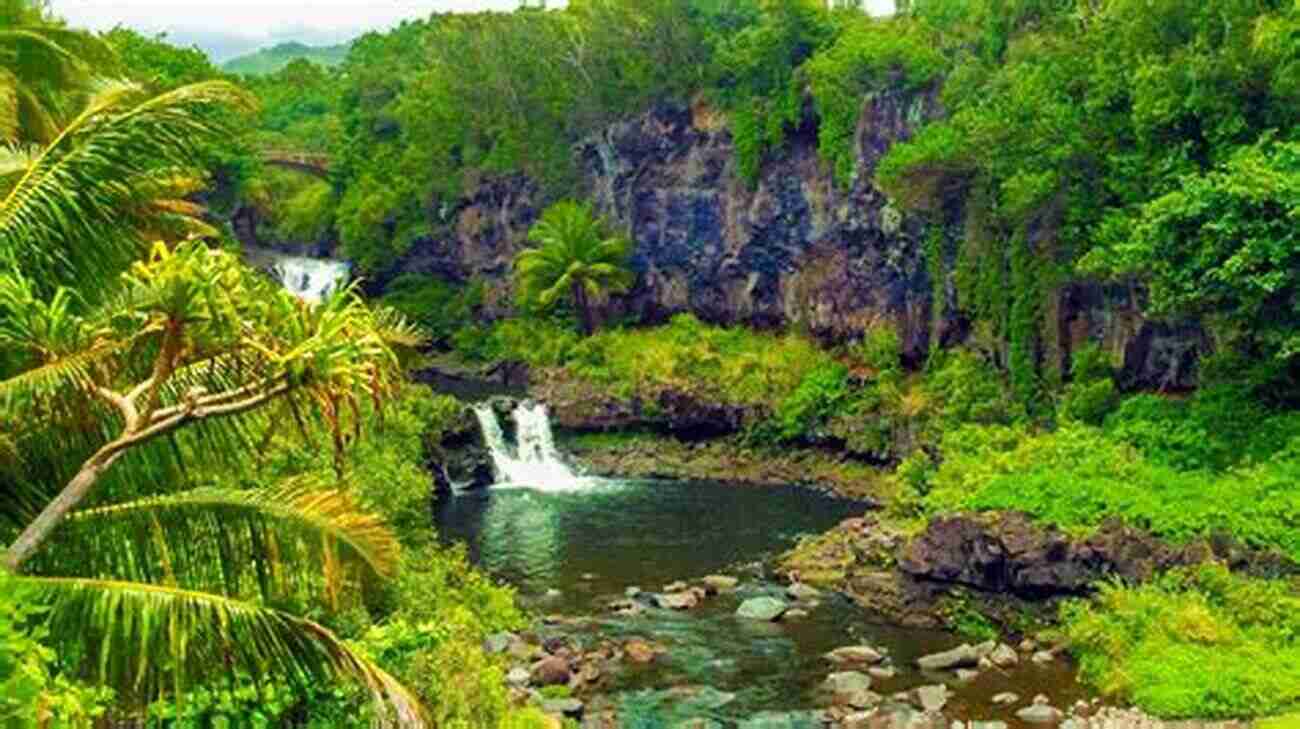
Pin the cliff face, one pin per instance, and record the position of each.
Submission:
(794, 249)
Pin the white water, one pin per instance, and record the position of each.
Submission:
(533, 460)
(311, 279)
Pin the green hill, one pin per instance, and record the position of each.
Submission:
(270, 60)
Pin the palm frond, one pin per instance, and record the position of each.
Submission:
(16, 159)
(216, 539)
(148, 640)
(76, 190)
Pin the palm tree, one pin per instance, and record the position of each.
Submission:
(123, 362)
(576, 257)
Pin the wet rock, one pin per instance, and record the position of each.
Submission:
(800, 591)
(698, 722)
(930, 698)
(1004, 656)
(567, 708)
(1006, 698)
(762, 608)
(1009, 553)
(639, 651)
(720, 583)
(847, 682)
(859, 720)
(855, 654)
(550, 671)
(1039, 714)
(963, 656)
(677, 600)
(882, 673)
(782, 720)
(1041, 657)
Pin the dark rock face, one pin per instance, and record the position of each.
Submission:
(1007, 553)
(574, 405)
(797, 248)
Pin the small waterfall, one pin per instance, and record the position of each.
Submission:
(533, 460)
(311, 279)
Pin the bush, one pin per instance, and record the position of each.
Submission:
(1089, 402)
(439, 307)
(1078, 477)
(819, 395)
(968, 391)
(1199, 643)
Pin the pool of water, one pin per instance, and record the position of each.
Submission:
(571, 552)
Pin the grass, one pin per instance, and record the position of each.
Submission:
(1197, 643)
(1078, 477)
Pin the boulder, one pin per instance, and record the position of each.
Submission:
(567, 708)
(677, 600)
(930, 698)
(639, 651)
(762, 608)
(720, 583)
(1004, 656)
(800, 591)
(1039, 714)
(1006, 698)
(846, 682)
(855, 654)
(963, 656)
(550, 671)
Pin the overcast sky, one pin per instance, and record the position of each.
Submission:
(229, 27)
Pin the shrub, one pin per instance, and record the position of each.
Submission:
(1089, 402)
(805, 411)
(968, 391)
(1077, 477)
(1197, 643)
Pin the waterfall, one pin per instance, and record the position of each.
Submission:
(533, 460)
(311, 279)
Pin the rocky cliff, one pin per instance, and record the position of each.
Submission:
(794, 249)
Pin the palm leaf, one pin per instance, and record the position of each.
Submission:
(217, 539)
(79, 186)
(147, 640)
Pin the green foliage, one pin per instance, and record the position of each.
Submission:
(1219, 427)
(274, 59)
(870, 56)
(756, 80)
(1197, 643)
(439, 307)
(1091, 395)
(578, 258)
(968, 390)
(1077, 477)
(1224, 244)
(819, 396)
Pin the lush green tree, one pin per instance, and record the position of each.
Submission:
(576, 258)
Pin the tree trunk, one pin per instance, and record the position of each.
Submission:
(580, 302)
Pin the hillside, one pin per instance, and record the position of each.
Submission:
(270, 60)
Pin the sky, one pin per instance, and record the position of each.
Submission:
(226, 28)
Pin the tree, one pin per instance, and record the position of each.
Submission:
(576, 257)
(115, 375)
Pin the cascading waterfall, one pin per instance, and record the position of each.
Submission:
(311, 279)
(533, 460)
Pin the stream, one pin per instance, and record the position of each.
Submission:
(571, 545)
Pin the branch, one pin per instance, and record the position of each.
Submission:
(124, 404)
(39, 530)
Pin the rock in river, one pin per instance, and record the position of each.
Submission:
(762, 608)
(855, 654)
(677, 600)
(720, 583)
(1039, 714)
(550, 671)
(963, 656)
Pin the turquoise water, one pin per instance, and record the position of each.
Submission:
(571, 553)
